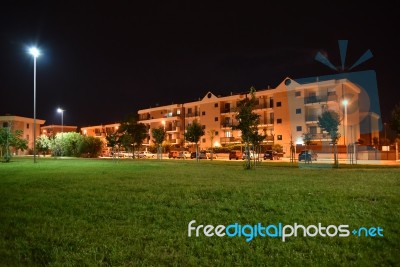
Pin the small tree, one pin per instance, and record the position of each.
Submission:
(247, 121)
(132, 134)
(159, 136)
(43, 144)
(329, 121)
(112, 141)
(211, 134)
(395, 119)
(90, 147)
(307, 137)
(9, 139)
(193, 134)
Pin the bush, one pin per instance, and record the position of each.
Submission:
(90, 147)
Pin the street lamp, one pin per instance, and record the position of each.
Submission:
(35, 53)
(59, 110)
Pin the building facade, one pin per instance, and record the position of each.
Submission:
(285, 113)
(52, 130)
(26, 125)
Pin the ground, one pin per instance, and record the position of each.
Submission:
(79, 212)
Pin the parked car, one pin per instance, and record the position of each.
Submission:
(184, 155)
(202, 155)
(208, 154)
(146, 155)
(235, 154)
(253, 155)
(271, 155)
(173, 154)
(308, 155)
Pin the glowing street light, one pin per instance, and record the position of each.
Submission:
(35, 53)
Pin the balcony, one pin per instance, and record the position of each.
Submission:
(225, 140)
(266, 121)
(320, 136)
(192, 114)
(311, 118)
(172, 129)
(226, 125)
(320, 99)
(228, 110)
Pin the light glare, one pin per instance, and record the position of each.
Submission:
(34, 52)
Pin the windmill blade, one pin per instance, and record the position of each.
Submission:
(367, 55)
(324, 60)
(343, 51)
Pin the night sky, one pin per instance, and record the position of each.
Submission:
(102, 62)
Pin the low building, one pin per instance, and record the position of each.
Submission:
(52, 130)
(26, 125)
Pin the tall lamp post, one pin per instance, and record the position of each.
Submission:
(59, 110)
(35, 53)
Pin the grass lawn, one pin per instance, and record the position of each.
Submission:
(83, 212)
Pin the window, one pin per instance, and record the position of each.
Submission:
(216, 133)
(178, 112)
(216, 119)
(271, 102)
(279, 137)
(204, 140)
(27, 126)
(279, 104)
(27, 137)
(298, 128)
(215, 105)
(5, 124)
(203, 113)
(189, 110)
(298, 110)
(228, 134)
(297, 93)
(203, 127)
(278, 121)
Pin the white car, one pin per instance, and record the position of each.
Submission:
(183, 155)
(146, 155)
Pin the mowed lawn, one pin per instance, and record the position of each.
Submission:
(83, 212)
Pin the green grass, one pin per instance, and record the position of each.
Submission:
(83, 212)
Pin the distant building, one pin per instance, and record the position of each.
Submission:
(286, 112)
(101, 132)
(52, 130)
(26, 125)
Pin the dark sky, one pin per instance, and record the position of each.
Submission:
(102, 62)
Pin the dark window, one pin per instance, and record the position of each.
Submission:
(271, 102)
(278, 121)
(189, 110)
(203, 113)
(204, 140)
(216, 119)
(298, 110)
(5, 124)
(279, 137)
(216, 132)
(203, 127)
(216, 105)
(27, 126)
(279, 104)
(298, 128)
(298, 93)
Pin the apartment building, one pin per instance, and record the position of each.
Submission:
(26, 125)
(101, 131)
(286, 112)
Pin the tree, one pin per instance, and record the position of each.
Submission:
(329, 121)
(90, 147)
(112, 141)
(193, 134)
(132, 134)
(159, 136)
(8, 140)
(43, 144)
(211, 134)
(247, 122)
(395, 119)
(307, 137)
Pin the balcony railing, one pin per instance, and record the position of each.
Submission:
(264, 121)
(311, 118)
(192, 114)
(225, 140)
(172, 129)
(228, 110)
(320, 99)
(226, 125)
(319, 136)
